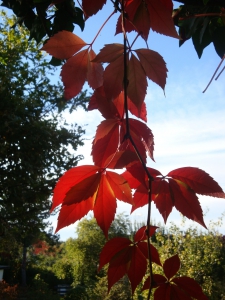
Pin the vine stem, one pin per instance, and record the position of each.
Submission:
(150, 178)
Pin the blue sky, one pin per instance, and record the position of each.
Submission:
(188, 126)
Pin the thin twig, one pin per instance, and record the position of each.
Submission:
(214, 74)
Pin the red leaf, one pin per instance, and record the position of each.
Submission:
(95, 71)
(69, 214)
(162, 198)
(140, 235)
(74, 73)
(140, 198)
(140, 113)
(153, 65)
(144, 134)
(106, 142)
(186, 202)
(96, 185)
(121, 159)
(157, 281)
(142, 20)
(161, 17)
(178, 294)
(154, 252)
(109, 53)
(63, 45)
(105, 205)
(68, 180)
(111, 248)
(137, 86)
(137, 267)
(198, 180)
(190, 286)
(92, 7)
(118, 266)
(171, 266)
(163, 292)
(113, 78)
(83, 190)
(119, 186)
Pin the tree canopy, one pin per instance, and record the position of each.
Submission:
(36, 144)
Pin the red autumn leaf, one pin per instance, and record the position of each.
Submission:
(63, 45)
(186, 202)
(114, 109)
(110, 136)
(74, 73)
(198, 180)
(140, 235)
(157, 281)
(77, 70)
(71, 213)
(96, 185)
(121, 159)
(178, 294)
(162, 198)
(126, 257)
(153, 65)
(142, 20)
(109, 53)
(92, 7)
(163, 292)
(144, 133)
(156, 15)
(94, 72)
(190, 286)
(113, 78)
(137, 85)
(171, 266)
(68, 180)
(111, 248)
(161, 17)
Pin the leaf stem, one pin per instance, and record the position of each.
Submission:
(214, 74)
(102, 27)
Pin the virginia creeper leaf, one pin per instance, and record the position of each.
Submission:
(63, 45)
(94, 184)
(95, 71)
(190, 286)
(113, 78)
(74, 73)
(111, 248)
(71, 213)
(153, 65)
(186, 202)
(109, 53)
(198, 180)
(68, 180)
(137, 85)
(92, 7)
(140, 235)
(171, 266)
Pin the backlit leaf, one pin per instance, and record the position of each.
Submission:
(95, 71)
(63, 45)
(171, 266)
(91, 7)
(198, 180)
(74, 73)
(137, 85)
(109, 53)
(153, 65)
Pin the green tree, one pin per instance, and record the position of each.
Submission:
(80, 257)
(36, 145)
